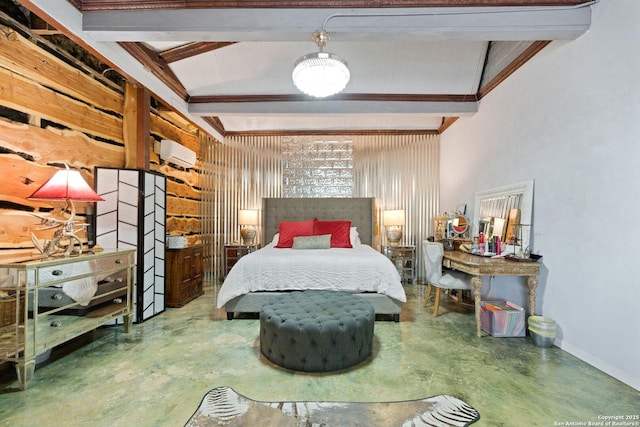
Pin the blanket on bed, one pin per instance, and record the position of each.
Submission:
(357, 269)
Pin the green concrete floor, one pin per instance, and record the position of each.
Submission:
(156, 375)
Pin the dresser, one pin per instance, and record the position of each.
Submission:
(101, 281)
(184, 275)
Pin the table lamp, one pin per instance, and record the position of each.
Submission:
(393, 221)
(68, 186)
(247, 218)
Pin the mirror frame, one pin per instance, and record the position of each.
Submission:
(525, 189)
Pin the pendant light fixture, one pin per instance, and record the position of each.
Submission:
(320, 74)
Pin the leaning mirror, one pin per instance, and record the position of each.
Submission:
(505, 212)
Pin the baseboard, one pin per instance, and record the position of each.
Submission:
(613, 371)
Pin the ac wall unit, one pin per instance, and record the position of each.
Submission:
(171, 151)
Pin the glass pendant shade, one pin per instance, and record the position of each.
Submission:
(320, 74)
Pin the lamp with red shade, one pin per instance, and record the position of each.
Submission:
(68, 186)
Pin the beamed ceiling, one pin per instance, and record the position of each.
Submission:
(415, 66)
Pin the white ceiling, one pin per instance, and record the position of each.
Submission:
(410, 67)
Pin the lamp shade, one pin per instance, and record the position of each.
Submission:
(248, 217)
(66, 185)
(320, 74)
(393, 217)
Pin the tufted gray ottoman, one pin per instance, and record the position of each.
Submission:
(316, 331)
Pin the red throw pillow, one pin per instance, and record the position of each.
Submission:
(289, 230)
(339, 230)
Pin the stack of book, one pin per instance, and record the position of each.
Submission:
(503, 319)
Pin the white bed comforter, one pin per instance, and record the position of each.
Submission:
(359, 269)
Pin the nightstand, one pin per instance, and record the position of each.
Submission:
(233, 252)
(404, 258)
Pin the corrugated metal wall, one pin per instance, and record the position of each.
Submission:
(401, 171)
(237, 175)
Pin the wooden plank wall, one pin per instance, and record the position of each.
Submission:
(55, 111)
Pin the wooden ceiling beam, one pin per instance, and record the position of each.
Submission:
(191, 49)
(215, 123)
(334, 132)
(98, 5)
(529, 53)
(371, 97)
(157, 65)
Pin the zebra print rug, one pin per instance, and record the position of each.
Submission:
(223, 406)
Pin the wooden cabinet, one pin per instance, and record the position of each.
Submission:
(233, 252)
(184, 275)
(101, 281)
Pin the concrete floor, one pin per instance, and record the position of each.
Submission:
(156, 375)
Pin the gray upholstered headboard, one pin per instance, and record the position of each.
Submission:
(360, 211)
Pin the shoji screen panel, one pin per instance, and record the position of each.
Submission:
(133, 216)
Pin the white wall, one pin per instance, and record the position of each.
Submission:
(570, 120)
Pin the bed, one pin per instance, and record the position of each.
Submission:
(268, 272)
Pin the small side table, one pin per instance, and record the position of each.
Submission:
(233, 252)
(404, 258)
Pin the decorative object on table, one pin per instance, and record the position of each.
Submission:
(451, 226)
(519, 251)
(177, 242)
(448, 245)
(320, 74)
(393, 221)
(532, 258)
(223, 406)
(68, 186)
(247, 218)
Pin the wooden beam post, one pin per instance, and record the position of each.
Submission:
(136, 120)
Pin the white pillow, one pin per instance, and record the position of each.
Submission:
(322, 241)
(354, 236)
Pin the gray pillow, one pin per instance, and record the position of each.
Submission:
(312, 242)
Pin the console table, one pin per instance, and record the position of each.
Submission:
(479, 266)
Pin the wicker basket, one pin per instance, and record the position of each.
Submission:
(8, 312)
